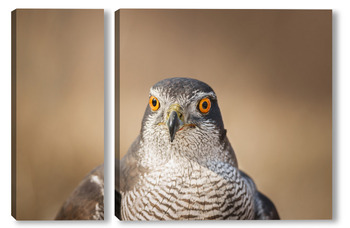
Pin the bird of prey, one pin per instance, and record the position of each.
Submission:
(87, 201)
(182, 166)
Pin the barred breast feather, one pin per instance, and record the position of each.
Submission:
(193, 192)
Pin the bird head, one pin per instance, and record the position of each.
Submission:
(180, 112)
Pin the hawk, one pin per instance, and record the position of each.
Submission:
(182, 166)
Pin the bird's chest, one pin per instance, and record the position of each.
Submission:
(193, 192)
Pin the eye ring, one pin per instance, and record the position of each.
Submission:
(154, 103)
(204, 105)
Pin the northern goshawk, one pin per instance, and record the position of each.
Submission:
(182, 166)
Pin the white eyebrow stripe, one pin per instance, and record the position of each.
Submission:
(199, 94)
(159, 94)
(155, 92)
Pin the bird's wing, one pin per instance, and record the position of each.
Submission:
(86, 201)
(127, 174)
(264, 208)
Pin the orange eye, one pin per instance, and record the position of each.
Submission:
(204, 105)
(154, 103)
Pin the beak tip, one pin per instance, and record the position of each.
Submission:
(172, 135)
(173, 125)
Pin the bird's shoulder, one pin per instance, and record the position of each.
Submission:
(86, 201)
(129, 170)
(264, 207)
(127, 173)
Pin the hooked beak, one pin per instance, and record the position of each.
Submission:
(175, 120)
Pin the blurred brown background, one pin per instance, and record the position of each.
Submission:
(272, 72)
(59, 83)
